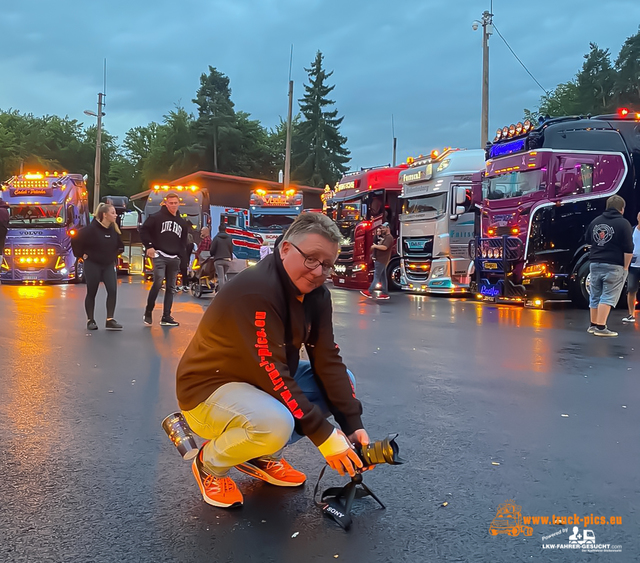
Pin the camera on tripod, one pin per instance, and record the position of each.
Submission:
(381, 451)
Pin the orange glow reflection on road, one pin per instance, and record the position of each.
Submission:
(30, 387)
(511, 316)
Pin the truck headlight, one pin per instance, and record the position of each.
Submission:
(438, 271)
(359, 267)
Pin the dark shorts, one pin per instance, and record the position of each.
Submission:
(633, 280)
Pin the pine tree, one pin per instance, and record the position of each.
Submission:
(628, 67)
(596, 81)
(323, 154)
(215, 109)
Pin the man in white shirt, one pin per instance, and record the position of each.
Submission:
(634, 276)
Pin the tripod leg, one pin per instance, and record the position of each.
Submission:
(349, 493)
(371, 493)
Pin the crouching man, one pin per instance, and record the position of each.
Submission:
(241, 384)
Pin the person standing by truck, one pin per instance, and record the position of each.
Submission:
(99, 245)
(222, 252)
(164, 235)
(633, 280)
(381, 257)
(610, 255)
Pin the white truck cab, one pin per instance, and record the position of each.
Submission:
(437, 221)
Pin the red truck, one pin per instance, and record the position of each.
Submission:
(359, 204)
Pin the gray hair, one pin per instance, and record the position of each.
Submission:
(313, 223)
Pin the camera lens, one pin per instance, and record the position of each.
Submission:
(381, 451)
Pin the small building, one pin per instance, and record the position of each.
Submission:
(235, 191)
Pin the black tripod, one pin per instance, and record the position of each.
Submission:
(331, 499)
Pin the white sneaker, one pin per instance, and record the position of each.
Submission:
(629, 319)
(604, 332)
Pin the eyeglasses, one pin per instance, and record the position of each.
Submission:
(313, 263)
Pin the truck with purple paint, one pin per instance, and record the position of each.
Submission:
(542, 187)
(45, 212)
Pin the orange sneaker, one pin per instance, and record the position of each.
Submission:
(216, 491)
(276, 472)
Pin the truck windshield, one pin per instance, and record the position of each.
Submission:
(514, 184)
(271, 221)
(431, 206)
(191, 213)
(51, 215)
(350, 211)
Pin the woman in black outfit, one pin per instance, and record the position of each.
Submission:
(99, 245)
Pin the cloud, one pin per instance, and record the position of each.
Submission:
(418, 60)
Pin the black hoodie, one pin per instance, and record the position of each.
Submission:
(611, 237)
(165, 232)
(253, 331)
(101, 245)
(222, 247)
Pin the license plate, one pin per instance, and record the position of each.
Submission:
(341, 280)
(490, 266)
(30, 277)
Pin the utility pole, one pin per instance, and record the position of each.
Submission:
(96, 183)
(287, 148)
(487, 30)
(395, 140)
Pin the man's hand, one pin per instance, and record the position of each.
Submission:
(359, 437)
(342, 457)
(151, 253)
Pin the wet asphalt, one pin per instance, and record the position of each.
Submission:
(490, 402)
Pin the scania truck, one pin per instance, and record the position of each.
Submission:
(543, 186)
(45, 212)
(360, 203)
(437, 221)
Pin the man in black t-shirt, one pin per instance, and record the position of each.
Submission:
(610, 236)
(381, 257)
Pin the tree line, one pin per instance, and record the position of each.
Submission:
(600, 86)
(218, 138)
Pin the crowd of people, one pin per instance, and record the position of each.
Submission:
(167, 240)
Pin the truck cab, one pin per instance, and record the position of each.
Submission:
(45, 212)
(272, 211)
(542, 188)
(359, 204)
(437, 221)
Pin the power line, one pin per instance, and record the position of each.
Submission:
(518, 59)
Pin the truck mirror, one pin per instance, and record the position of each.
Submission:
(459, 209)
(461, 195)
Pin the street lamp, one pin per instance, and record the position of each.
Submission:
(487, 30)
(96, 181)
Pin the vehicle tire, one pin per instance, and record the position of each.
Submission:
(197, 290)
(393, 275)
(79, 269)
(580, 293)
